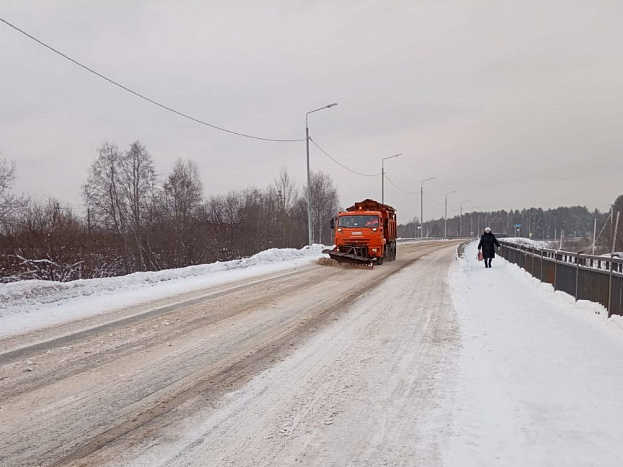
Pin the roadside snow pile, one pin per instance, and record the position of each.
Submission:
(27, 297)
(526, 242)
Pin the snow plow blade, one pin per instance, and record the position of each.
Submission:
(349, 258)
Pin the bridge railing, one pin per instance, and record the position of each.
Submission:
(585, 277)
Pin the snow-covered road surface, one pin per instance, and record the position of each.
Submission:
(92, 400)
(373, 388)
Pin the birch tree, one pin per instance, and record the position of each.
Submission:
(182, 197)
(138, 180)
(119, 194)
(325, 204)
(102, 191)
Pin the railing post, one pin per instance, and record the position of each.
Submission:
(610, 291)
(577, 275)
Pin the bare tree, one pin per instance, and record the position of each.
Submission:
(138, 180)
(183, 191)
(49, 246)
(224, 220)
(119, 194)
(285, 192)
(9, 203)
(182, 200)
(325, 204)
(102, 191)
(285, 189)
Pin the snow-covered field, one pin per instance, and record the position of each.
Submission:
(540, 374)
(30, 305)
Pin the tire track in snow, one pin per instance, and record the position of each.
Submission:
(366, 390)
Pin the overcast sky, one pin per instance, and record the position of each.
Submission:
(513, 104)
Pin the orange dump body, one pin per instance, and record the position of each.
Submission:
(365, 233)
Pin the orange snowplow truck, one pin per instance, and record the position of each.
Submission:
(365, 233)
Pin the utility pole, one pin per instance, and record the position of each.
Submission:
(309, 190)
(614, 237)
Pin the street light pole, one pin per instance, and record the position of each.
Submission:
(461, 217)
(383, 176)
(445, 216)
(422, 204)
(309, 191)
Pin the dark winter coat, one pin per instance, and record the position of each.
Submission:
(488, 243)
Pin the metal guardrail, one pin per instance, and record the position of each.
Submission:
(585, 277)
(460, 249)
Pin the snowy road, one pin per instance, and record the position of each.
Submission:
(442, 363)
(365, 391)
(109, 389)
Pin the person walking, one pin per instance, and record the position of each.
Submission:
(487, 243)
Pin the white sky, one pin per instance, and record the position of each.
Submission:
(513, 104)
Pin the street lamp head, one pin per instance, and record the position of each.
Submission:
(450, 192)
(425, 180)
(320, 108)
(391, 157)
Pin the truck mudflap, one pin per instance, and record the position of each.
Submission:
(352, 255)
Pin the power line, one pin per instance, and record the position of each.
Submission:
(144, 97)
(431, 200)
(401, 189)
(339, 163)
(412, 192)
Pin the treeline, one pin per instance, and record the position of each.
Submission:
(571, 222)
(136, 222)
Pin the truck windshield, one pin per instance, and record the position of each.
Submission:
(359, 221)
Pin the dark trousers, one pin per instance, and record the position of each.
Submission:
(488, 262)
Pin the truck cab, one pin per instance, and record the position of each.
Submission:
(365, 233)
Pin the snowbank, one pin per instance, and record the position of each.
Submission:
(34, 304)
(526, 242)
